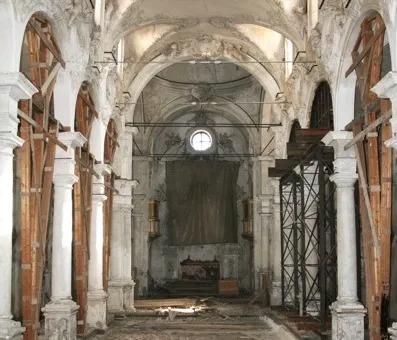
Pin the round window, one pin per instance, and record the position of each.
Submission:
(201, 140)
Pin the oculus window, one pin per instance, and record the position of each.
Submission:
(201, 140)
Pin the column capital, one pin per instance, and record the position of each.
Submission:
(344, 180)
(72, 140)
(16, 85)
(102, 169)
(9, 141)
(345, 163)
(387, 86)
(338, 140)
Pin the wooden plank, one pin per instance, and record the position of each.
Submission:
(47, 42)
(89, 104)
(48, 135)
(367, 236)
(50, 79)
(363, 133)
(158, 303)
(365, 51)
(26, 267)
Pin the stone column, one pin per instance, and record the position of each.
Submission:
(275, 298)
(97, 297)
(13, 87)
(121, 285)
(60, 312)
(347, 312)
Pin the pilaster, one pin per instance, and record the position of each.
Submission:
(121, 285)
(275, 297)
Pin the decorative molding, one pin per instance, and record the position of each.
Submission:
(16, 85)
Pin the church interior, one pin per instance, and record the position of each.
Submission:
(198, 169)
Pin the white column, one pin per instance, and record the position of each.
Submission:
(347, 312)
(275, 297)
(13, 87)
(121, 285)
(60, 312)
(97, 297)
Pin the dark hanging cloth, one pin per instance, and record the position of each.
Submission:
(201, 199)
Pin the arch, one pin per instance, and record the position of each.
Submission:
(163, 61)
(345, 86)
(322, 116)
(294, 127)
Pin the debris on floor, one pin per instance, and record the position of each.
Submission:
(196, 319)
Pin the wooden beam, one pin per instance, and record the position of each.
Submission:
(53, 139)
(50, 79)
(366, 50)
(361, 135)
(48, 43)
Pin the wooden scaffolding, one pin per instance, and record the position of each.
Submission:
(40, 62)
(371, 129)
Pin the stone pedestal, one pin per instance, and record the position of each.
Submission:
(13, 87)
(121, 297)
(60, 320)
(347, 312)
(96, 311)
(347, 321)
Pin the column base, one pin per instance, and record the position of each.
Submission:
(121, 296)
(96, 311)
(347, 321)
(60, 320)
(275, 296)
(393, 331)
(11, 330)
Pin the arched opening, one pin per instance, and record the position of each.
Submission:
(322, 115)
(34, 168)
(192, 154)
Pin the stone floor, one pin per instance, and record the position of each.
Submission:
(218, 320)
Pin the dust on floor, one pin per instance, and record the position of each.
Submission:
(209, 319)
